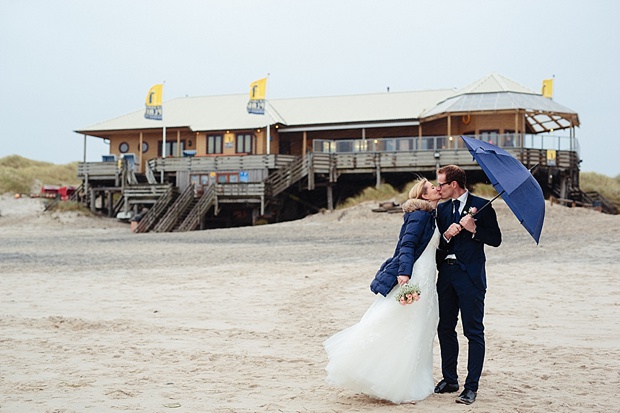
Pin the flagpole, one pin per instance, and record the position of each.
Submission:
(163, 124)
(258, 106)
(163, 127)
(268, 122)
(268, 126)
(155, 111)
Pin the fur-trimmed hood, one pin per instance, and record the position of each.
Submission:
(414, 204)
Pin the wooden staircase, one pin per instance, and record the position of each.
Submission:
(150, 219)
(597, 201)
(589, 199)
(283, 178)
(176, 211)
(201, 207)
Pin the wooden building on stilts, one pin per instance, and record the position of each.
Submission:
(224, 167)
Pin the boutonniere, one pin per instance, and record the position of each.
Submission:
(472, 211)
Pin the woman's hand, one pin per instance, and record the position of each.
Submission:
(402, 279)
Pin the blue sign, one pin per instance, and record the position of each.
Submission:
(256, 107)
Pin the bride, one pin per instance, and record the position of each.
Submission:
(388, 354)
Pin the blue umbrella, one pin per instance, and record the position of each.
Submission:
(513, 182)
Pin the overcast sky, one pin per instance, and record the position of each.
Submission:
(68, 64)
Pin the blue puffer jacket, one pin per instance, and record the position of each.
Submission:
(415, 234)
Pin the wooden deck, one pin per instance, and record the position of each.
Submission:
(173, 212)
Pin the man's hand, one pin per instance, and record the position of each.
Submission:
(452, 231)
(469, 223)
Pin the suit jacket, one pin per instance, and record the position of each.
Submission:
(469, 250)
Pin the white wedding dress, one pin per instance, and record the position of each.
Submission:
(388, 354)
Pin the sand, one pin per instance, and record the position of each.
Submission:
(94, 318)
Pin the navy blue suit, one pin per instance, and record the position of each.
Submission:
(461, 286)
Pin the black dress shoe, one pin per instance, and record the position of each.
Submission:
(466, 397)
(445, 387)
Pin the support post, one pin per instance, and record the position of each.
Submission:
(179, 143)
(304, 143)
(93, 201)
(330, 197)
(110, 205)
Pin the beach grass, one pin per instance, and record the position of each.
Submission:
(606, 186)
(19, 175)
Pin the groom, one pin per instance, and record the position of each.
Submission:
(461, 284)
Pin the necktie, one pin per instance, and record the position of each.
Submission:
(456, 216)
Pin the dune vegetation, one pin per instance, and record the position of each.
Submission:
(19, 175)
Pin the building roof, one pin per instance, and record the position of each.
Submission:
(376, 107)
(210, 113)
(497, 93)
(228, 112)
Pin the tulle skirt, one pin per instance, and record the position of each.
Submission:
(388, 354)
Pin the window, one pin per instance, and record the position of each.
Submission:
(214, 144)
(123, 147)
(490, 136)
(172, 148)
(244, 143)
(145, 147)
(509, 138)
(344, 146)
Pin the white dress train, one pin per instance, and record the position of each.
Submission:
(388, 354)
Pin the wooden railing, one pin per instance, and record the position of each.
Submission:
(220, 163)
(144, 194)
(283, 178)
(192, 220)
(333, 164)
(150, 177)
(101, 170)
(241, 189)
(159, 209)
(531, 157)
(174, 212)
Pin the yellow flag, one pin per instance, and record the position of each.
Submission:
(154, 102)
(257, 89)
(256, 104)
(547, 88)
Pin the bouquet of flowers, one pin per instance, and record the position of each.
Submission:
(408, 293)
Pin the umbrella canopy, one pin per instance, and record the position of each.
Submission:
(513, 182)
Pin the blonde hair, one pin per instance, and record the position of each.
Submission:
(415, 201)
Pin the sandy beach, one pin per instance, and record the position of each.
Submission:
(94, 318)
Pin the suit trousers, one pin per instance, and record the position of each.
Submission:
(457, 293)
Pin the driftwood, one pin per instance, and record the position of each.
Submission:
(389, 207)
